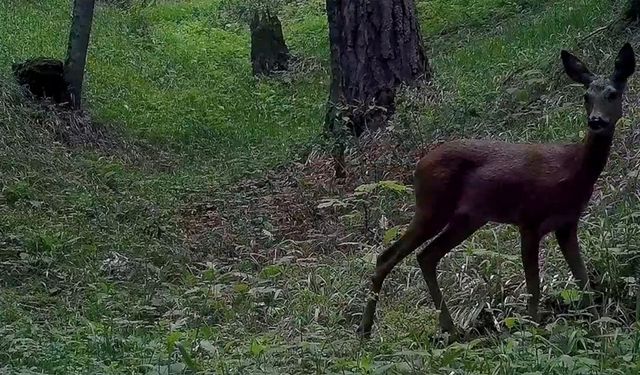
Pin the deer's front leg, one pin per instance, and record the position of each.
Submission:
(567, 237)
(568, 241)
(530, 244)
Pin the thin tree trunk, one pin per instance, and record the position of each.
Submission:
(375, 47)
(77, 50)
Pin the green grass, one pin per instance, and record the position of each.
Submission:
(166, 73)
(98, 274)
(440, 17)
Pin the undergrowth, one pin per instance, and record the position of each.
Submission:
(190, 224)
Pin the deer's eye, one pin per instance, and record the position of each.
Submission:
(613, 95)
(586, 98)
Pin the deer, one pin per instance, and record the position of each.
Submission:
(461, 185)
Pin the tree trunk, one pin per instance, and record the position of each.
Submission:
(77, 50)
(375, 47)
(269, 52)
(632, 13)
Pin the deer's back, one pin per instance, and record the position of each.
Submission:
(507, 182)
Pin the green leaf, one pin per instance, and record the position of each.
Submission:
(391, 235)
(272, 271)
(366, 363)
(511, 322)
(172, 340)
(367, 188)
(257, 348)
(393, 186)
(571, 296)
(241, 288)
(331, 202)
(186, 356)
(209, 275)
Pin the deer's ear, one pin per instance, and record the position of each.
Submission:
(625, 65)
(575, 69)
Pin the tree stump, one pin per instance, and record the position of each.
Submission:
(269, 52)
(44, 79)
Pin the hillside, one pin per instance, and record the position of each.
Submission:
(189, 222)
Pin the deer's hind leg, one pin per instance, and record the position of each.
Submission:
(459, 229)
(420, 230)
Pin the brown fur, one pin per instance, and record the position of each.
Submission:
(541, 188)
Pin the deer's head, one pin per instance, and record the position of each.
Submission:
(603, 97)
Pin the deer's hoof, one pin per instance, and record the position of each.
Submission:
(363, 331)
(447, 337)
(454, 334)
(447, 325)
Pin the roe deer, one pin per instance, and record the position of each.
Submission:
(462, 185)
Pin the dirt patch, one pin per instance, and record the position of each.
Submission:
(289, 204)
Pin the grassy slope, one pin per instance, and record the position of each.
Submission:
(177, 77)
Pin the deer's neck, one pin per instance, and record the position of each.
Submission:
(596, 153)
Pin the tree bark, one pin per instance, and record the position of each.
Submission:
(375, 47)
(77, 49)
(269, 52)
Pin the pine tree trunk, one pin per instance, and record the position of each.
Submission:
(375, 47)
(77, 50)
(269, 52)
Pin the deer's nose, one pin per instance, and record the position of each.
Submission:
(597, 122)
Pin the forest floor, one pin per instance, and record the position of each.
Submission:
(189, 223)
